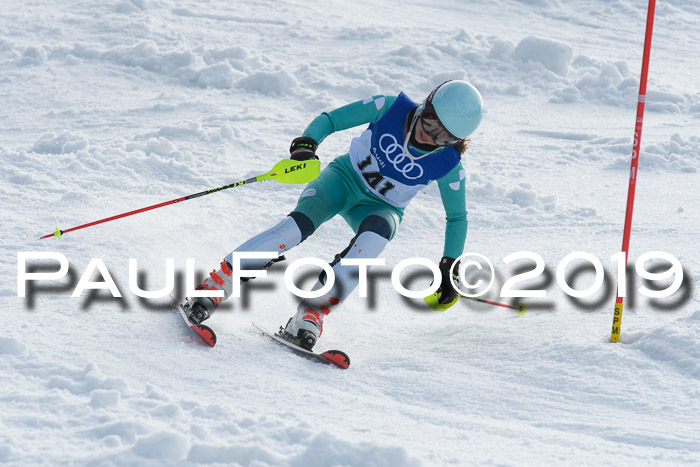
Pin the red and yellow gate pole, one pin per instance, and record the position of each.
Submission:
(617, 317)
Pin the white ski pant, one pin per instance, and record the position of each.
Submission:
(310, 311)
(372, 237)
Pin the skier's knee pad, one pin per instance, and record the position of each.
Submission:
(376, 224)
(306, 226)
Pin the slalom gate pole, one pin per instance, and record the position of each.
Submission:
(285, 171)
(617, 316)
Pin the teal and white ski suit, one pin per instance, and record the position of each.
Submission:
(369, 187)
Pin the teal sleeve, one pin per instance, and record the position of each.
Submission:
(348, 116)
(453, 193)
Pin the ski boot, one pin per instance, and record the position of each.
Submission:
(303, 338)
(307, 339)
(196, 312)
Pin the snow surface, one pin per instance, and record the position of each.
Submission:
(113, 105)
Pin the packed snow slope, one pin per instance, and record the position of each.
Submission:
(108, 106)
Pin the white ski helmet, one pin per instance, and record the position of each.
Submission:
(457, 104)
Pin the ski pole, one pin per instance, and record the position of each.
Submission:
(285, 171)
(433, 301)
(520, 309)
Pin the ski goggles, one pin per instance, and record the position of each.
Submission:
(431, 125)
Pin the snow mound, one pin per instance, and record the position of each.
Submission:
(219, 76)
(522, 195)
(325, 449)
(555, 69)
(201, 67)
(7, 452)
(10, 346)
(62, 143)
(613, 84)
(674, 345)
(275, 82)
(113, 424)
(86, 382)
(103, 398)
(676, 155)
(203, 453)
(553, 55)
(32, 56)
(143, 54)
(163, 445)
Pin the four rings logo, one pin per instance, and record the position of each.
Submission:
(395, 155)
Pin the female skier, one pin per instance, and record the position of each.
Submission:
(405, 147)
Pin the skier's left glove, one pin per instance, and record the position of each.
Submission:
(303, 148)
(448, 294)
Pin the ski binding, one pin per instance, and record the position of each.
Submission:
(202, 331)
(336, 358)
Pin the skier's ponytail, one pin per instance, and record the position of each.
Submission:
(463, 145)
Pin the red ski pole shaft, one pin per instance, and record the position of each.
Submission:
(521, 306)
(617, 316)
(57, 233)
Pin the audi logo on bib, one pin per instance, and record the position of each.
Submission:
(393, 152)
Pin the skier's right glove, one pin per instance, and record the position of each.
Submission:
(447, 292)
(303, 148)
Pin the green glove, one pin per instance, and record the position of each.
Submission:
(446, 295)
